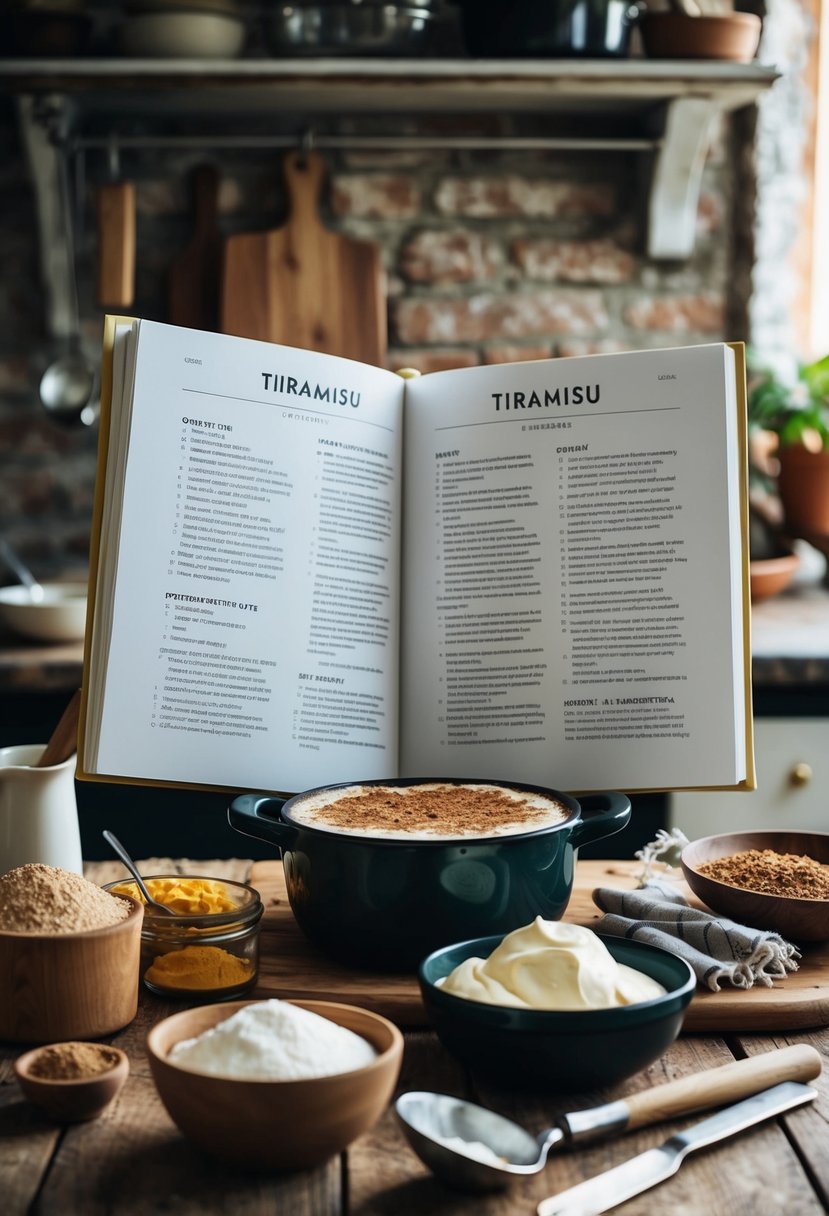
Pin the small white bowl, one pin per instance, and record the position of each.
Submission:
(182, 34)
(60, 616)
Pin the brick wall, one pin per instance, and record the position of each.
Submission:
(491, 256)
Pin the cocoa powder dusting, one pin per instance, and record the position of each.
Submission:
(72, 1061)
(770, 873)
(36, 898)
(445, 810)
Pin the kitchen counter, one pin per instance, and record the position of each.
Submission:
(132, 1160)
(32, 667)
(790, 635)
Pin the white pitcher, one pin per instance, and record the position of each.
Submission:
(38, 811)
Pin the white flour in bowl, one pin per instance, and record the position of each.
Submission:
(274, 1041)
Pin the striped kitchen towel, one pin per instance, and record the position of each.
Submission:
(717, 949)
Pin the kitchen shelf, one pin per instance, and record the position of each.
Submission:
(315, 86)
(665, 108)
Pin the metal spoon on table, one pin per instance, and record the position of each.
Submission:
(23, 572)
(115, 844)
(471, 1147)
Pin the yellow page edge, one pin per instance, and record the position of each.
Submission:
(111, 321)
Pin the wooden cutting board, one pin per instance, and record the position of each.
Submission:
(193, 282)
(291, 967)
(303, 285)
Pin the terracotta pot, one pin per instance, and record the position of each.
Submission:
(770, 575)
(671, 35)
(803, 485)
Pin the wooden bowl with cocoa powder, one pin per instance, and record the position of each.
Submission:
(774, 879)
(72, 1082)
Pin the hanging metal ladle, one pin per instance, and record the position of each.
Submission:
(11, 558)
(68, 384)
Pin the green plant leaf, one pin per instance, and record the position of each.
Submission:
(816, 375)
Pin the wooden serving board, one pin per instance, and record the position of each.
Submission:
(291, 967)
(303, 285)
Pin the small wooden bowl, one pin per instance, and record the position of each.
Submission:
(77, 1099)
(799, 919)
(271, 1124)
(733, 36)
(64, 986)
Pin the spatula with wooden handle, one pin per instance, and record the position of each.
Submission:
(303, 285)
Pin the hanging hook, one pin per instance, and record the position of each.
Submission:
(113, 158)
(306, 146)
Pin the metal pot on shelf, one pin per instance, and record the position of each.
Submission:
(586, 29)
(365, 27)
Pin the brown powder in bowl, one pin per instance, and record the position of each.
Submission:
(431, 810)
(46, 899)
(73, 1061)
(770, 873)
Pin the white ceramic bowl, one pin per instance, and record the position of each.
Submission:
(59, 617)
(182, 34)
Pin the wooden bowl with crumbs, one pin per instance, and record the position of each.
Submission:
(774, 879)
(60, 980)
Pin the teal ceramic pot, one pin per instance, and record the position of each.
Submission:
(385, 903)
(559, 1052)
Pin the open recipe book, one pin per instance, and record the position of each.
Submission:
(307, 570)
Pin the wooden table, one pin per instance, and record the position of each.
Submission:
(133, 1162)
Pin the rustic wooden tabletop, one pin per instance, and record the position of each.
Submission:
(133, 1161)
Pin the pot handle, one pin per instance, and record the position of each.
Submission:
(258, 816)
(602, 815)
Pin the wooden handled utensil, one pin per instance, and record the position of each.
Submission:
(64, 740)
(436, 1125)
(194, 279)
(116, 245)
(303, 285)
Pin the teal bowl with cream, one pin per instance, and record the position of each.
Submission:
(567, 1052)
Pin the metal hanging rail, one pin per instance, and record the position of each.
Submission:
(394, 143)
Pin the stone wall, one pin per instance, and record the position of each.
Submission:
(491, 256)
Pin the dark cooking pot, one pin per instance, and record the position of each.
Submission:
(386, 903)
(559, 28)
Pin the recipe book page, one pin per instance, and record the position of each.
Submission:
(575, 611)
(245, 628)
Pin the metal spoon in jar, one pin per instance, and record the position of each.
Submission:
(471, 1147)
(115, 844)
